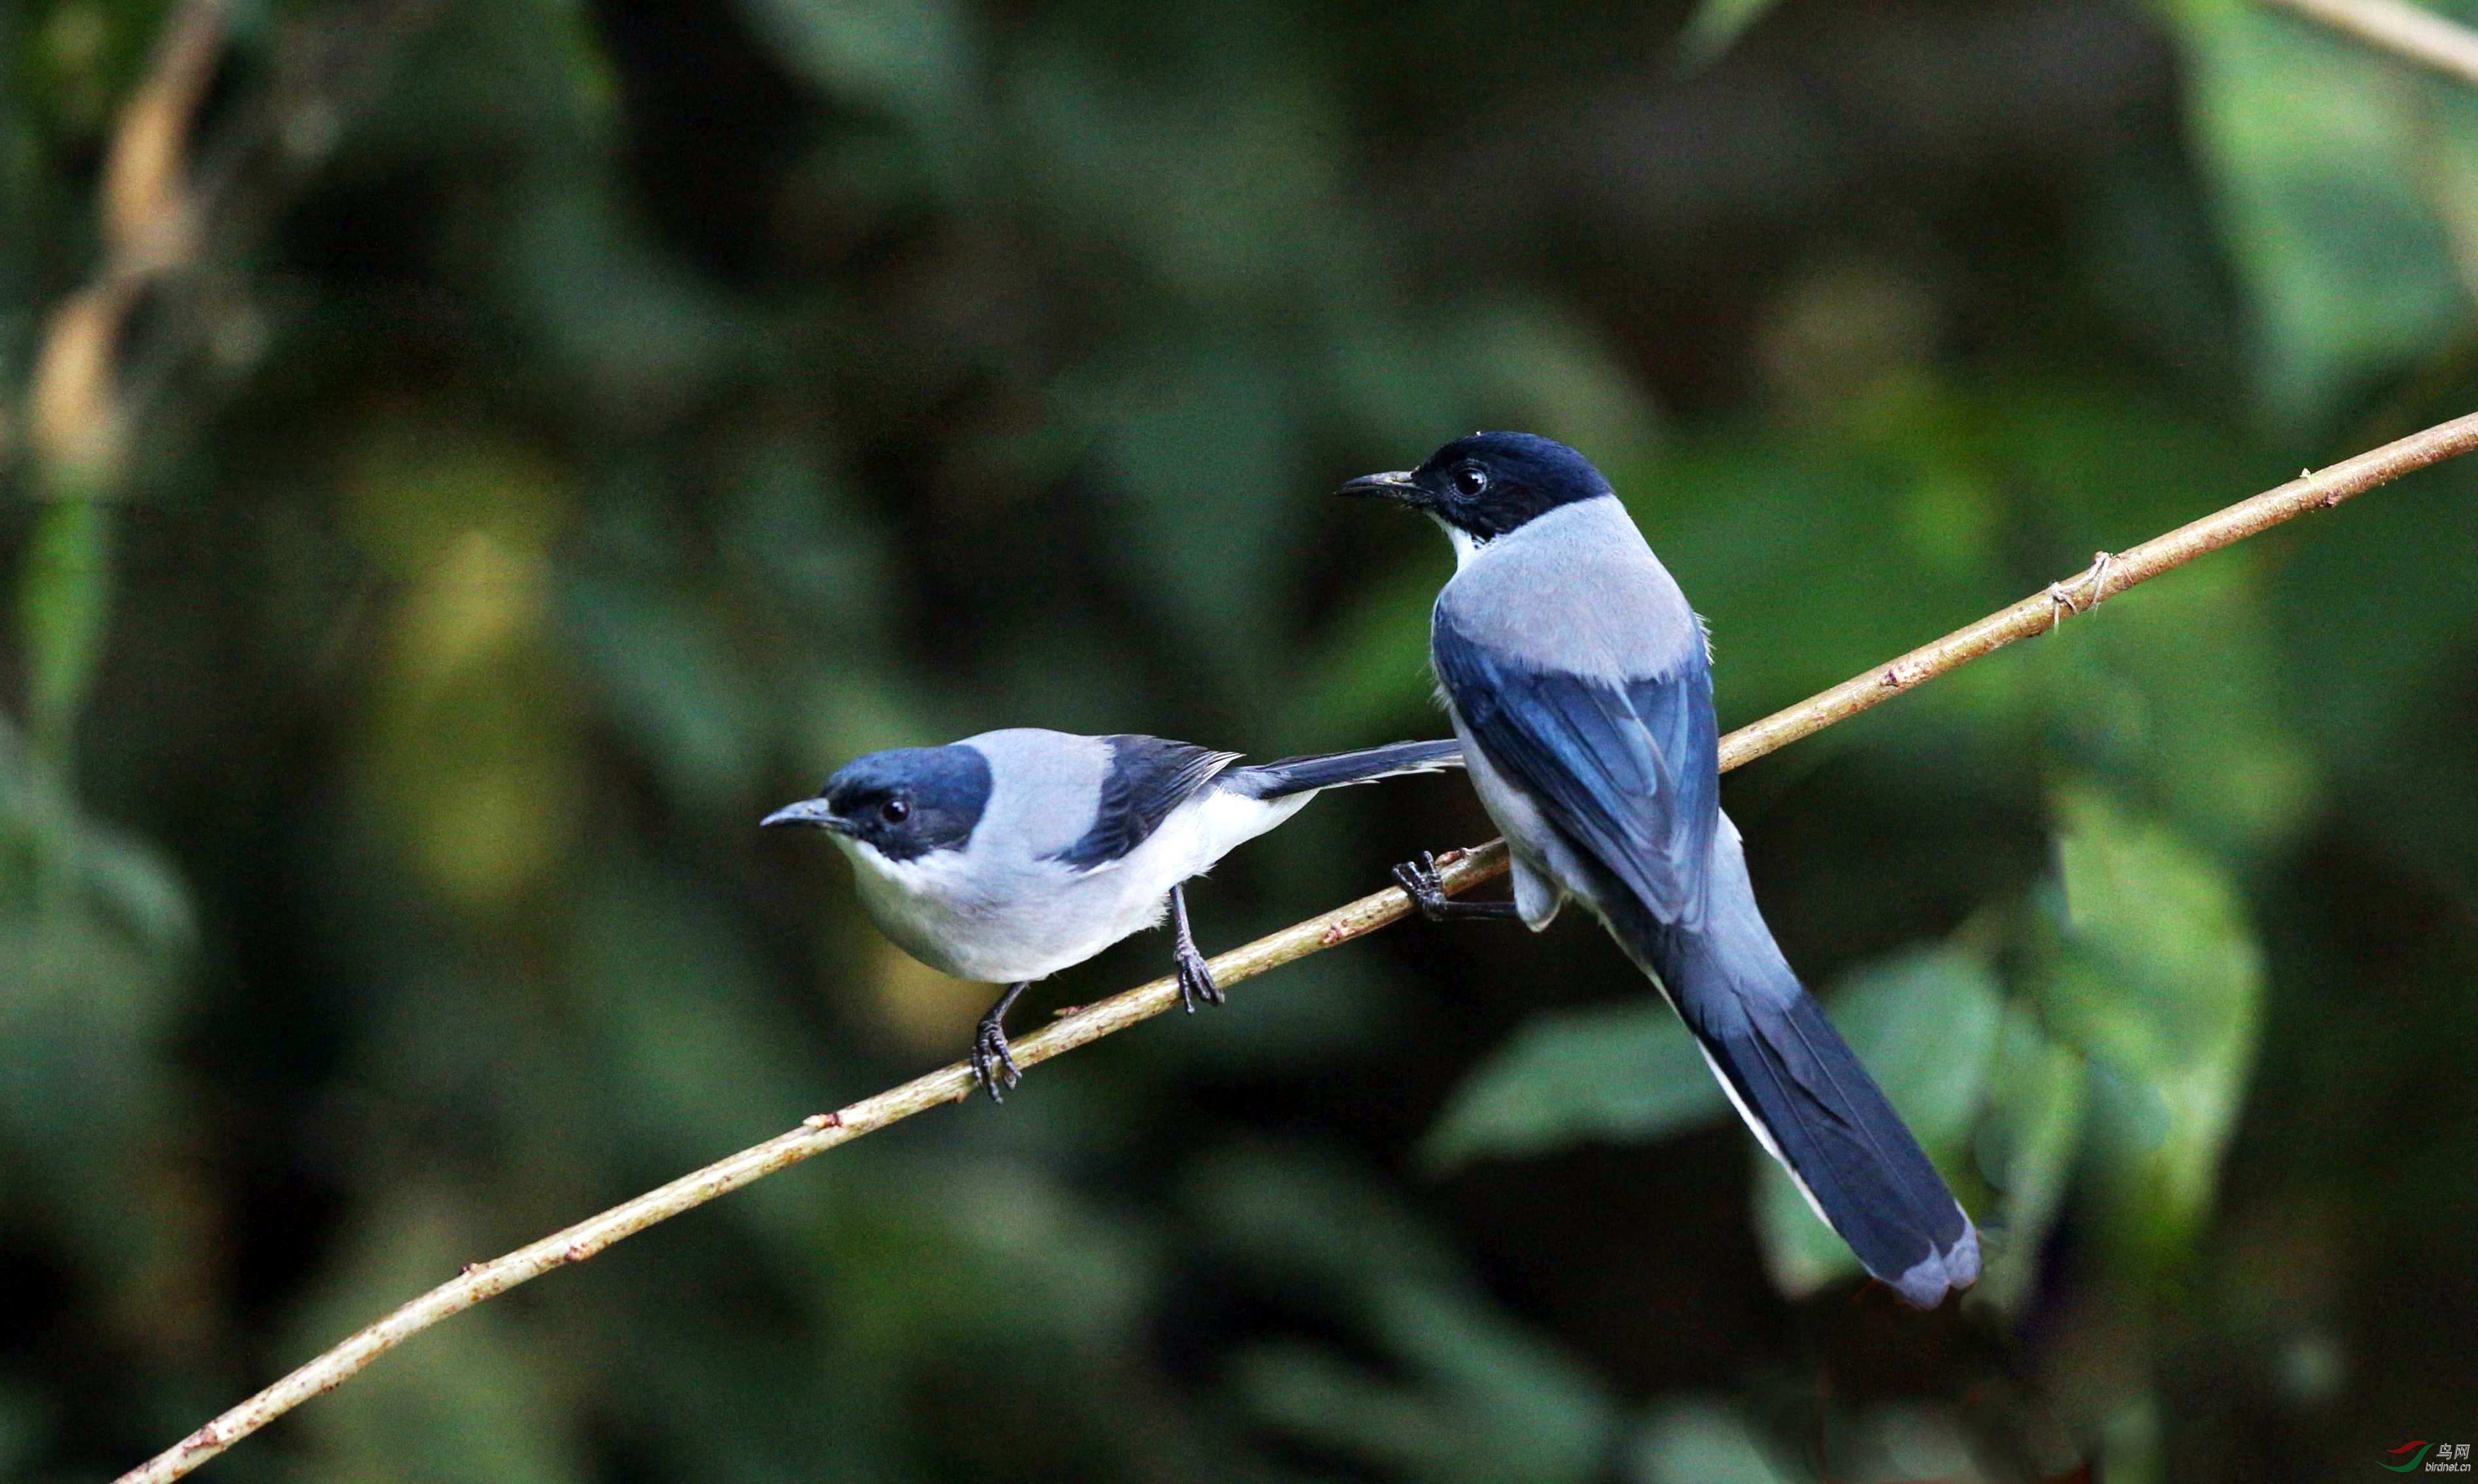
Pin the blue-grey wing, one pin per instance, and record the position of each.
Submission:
(1147, 777)
(1628, 769)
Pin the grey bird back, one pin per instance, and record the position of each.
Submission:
(1043, 788)
(1576, 589)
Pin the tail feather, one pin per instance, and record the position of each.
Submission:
(1830, 1127)
(1806, 1095)
(1337, 769)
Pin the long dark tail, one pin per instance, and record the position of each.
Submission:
(1336, 770)
(1803, 1089)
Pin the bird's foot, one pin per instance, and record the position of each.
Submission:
(1195, 980)
(1420, 880)
(993, 1066)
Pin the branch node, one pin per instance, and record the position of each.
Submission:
(2063, 598)
(576, 1252)
(823, 1120)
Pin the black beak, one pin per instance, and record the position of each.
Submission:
(1395, 486)
(811, 812)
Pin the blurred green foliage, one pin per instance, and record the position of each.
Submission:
(583, 426)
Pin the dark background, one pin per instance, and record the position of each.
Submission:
(465, 462)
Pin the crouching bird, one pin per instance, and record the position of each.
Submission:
(1009, 856)
(1581, 684)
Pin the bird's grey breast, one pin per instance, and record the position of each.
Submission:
(1577, 591)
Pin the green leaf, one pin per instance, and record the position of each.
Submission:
(908, 56)
(1462, 1393)
(1629, 1074)
(1473, 1397)
(64, 608)
(1925, 1023)
(1702, 1440)
(2316, 146)
(1718, 23)
(2161, 980)
(1311, 1392)
(2037, 1099)
(1310, 1222)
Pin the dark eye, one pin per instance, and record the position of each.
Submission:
(895, 810)
(1470, 479)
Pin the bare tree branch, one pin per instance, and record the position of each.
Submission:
(2405, 29)
(2039, 613)
(2106, 577)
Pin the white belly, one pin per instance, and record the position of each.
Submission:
(1005, 922)
(1543, 873)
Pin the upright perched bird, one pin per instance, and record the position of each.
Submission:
(1581, 684)
(1009, 856)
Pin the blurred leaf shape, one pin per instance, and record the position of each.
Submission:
(63, 605)
(2159, 980)
(672, 681)
(470, 753)
(638, 334)
(1469, 1397)
(1925, 1022)
(699, 1059)
(1717, 24)
(1309, 1222)
(1895, 1444)
(2318, 148)
(2181, 688)
(1198, 464)
(491, 1396)
(1629, 1074)
(2378, 672)
(96, 928)
(1784, 551)
(2037, 1099)
(1701, 1439)
(1459, 1391)
(1373, 672)
(915, 59)
(24, 1427)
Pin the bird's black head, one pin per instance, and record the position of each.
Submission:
(904, 803)
(1489, 484)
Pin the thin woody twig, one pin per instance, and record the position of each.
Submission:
(174, 206)
(1458, 871)
(80, 418)
(2037, 614)
(2407, 30)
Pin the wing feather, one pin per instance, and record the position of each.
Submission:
(1628, 771)
(1147, 777)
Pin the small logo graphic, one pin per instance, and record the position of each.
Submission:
(2435, 1457)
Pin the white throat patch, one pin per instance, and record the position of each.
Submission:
(1466, 545)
